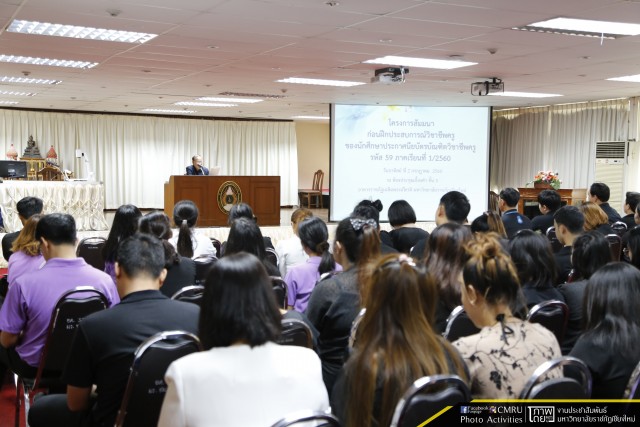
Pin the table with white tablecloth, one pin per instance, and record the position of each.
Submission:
(83, 200)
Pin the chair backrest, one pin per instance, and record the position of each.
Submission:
(90, 248)
(295, 332)
(146, 388)
(619, 228)
(632, 391)
(318, 179)
(50, 173)
(427, 396)
(459, 325)
(553, 239)
(280, 290)
(272, 256)
(217, 245)
(574, 384)
(192, 294)
(553, 315)
(615, 246)
(203, 266)
(72, 306)
(305, 418)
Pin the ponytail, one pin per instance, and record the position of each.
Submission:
(184, 245)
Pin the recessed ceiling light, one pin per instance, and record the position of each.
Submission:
(46, 61)
(310, 117)
(161, 110)
(320, 82)
(10, 92)
(236, 100)
(635, 78)
(61, 30)
(441, 64)
(525, 94)
(8, 102)
(205, 104)
(27, 80)
(583, 27)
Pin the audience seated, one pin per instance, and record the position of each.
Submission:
(569, 223)
(595, 219)
(599, 194)
(301, 279)
(245, 236)
(631, 201)
(26, 249)
(105, 342)
(371, 210)
(243, 210)
(633, 247)
(190, 242)
(610, 344)
(549, 202)
(290, 250)
(26, 207)
(504, 354)
(395, 344)
(590, 253)
(181, 271)
(532, 255)
(335, 301)
(125, 224)
(26, 312)
(513, 220)
(244, 378)
(405, 234)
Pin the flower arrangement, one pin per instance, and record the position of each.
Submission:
(547, 178)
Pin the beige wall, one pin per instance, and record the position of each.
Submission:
(313, 152)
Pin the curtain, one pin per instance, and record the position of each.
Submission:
(135, 155)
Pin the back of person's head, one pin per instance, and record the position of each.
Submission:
(632, 199)
(245, 236)
(141, 256)
(490, 270)
(489, 221)
(444, 258)
(633, 246)
(57, 229)
(395, 339)
(570, 217)
(593, 215)
(241, 210)
(125, 224)
(590, 251)
(369, 209)
(551, 199)
(611, 307)
(400, 213)
(456, 206)
(510, 196)
(601, 191)
(185, 216)
(26, 240)
(298, 215)
(28, 206)
(158, 224)
(532, 255)
(314, 235)
(359, 239)
(238, 304)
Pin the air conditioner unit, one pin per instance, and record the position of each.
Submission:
(610, 168)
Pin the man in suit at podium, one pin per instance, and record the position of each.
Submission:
(196, 168)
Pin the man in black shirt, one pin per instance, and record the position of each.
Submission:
(630, 204)
(599, 194)
(549, 202)
(26, 207)
(513, 220)
(569, 224)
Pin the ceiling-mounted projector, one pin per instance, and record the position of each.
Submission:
(494, 85)
(390, 75)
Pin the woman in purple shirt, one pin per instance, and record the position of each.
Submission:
(26, 255)
(302, 278)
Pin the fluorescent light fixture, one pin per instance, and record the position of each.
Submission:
(204, 104)
(320, 82)
(635, 78)
(61, 30)
(583, 27)
(46, 61)
(27, 80)
(14, 93)
(8, 102)
(235, 100)
(310, 117)
(161, 110)
(440, 64)
(525, 94)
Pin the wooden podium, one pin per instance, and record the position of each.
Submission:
(214, 196)
(528, 203)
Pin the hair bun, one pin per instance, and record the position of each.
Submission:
(377, 204)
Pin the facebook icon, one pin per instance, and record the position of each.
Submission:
(464, 409)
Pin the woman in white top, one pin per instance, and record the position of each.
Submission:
(189, 242)
(290, 252)
(244, 378)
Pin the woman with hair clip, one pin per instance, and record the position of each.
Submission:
(189, 242)
(335, 301)
(243, 378)
(395, 345)
(26, 256)
(506, 351)
(181, 271)
(301, 279)
(610, 344)
(125, 224)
